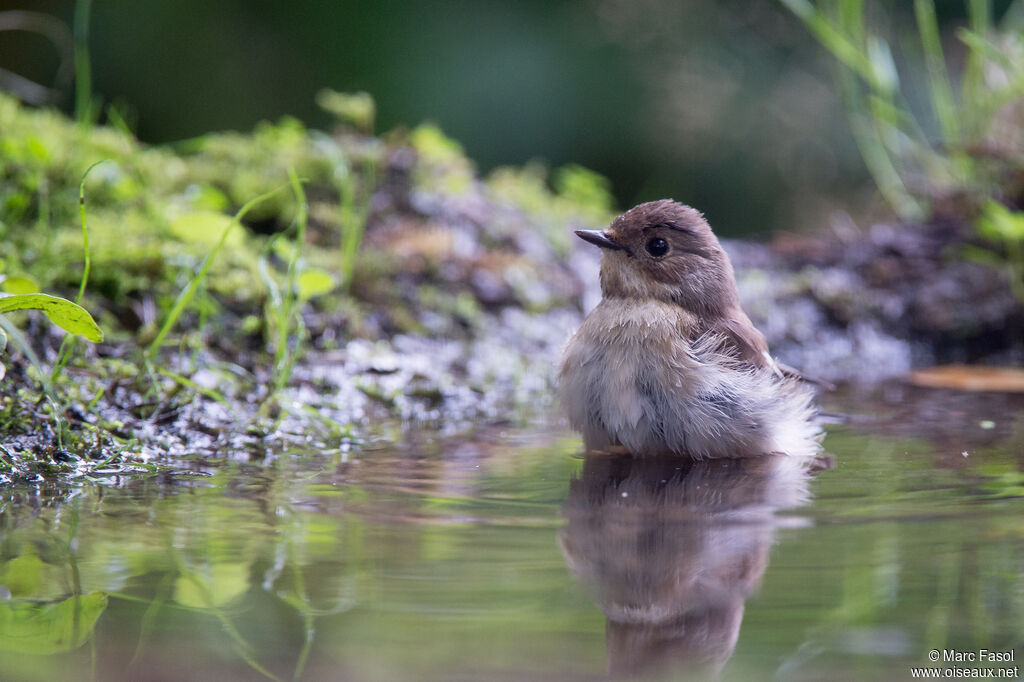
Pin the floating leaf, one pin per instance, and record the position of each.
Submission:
(69, 316)
(971, 378)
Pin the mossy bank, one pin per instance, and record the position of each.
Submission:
(377, 278)
(289, 289)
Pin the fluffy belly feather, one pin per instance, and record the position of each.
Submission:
(631, 378)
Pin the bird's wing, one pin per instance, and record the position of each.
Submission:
(752, 347)
(746, 340)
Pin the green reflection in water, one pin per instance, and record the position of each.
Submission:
(509, 558)
(27, 627)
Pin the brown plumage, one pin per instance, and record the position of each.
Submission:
(695, 273)
(668, 361)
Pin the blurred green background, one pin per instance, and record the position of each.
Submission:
(727, 105)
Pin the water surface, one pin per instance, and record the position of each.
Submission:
(506, 556)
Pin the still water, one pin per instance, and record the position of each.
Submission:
(506, 556)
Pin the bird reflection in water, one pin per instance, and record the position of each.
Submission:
(672, 548)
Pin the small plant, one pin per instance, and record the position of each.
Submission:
(86, 106)
(354, 111)
(68, 344)
(302, 283)
(23, 294)
(187, 294)
(963, 157)
(1000, 225)
(69, 316)
(353, 221)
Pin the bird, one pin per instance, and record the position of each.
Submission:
(668, 363)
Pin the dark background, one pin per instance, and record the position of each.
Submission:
(726, 105)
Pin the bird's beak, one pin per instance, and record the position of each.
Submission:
(600, 239)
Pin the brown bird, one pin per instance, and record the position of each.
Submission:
(668, 362)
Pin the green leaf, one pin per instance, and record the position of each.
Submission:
(37, 148)
(976, 254)
(355, 108)
(220, 584)
(33, 628)
(70, 317)
(883, 66)
(980, 44)
(314, 282)
(189, 292)
(206, 228)
(19, 285)
(23, 575)
(1000, 223)
(209, 198)
(584, 187)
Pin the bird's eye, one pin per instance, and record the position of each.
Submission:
(657, 247)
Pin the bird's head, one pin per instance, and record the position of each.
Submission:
(666, 251)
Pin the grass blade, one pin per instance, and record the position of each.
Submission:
(84, 109)
(979, 12)
(67, 345)
(189, 292)
(938, 77)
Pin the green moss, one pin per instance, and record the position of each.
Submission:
(582, 197)
(442, 165)
(154, 214)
